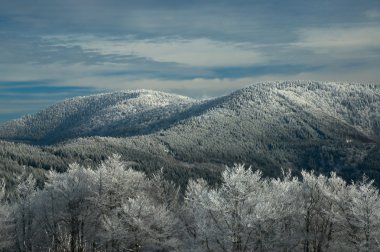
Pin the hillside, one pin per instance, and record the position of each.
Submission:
(113, 114)
(323, 126)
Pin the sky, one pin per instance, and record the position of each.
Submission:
(51, 50)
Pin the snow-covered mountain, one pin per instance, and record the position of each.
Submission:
(271, 108)
(292, 124)
(112, 114)
(283, 124)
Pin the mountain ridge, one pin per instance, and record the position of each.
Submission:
(322, 126)
(120, 105)
(88, 115)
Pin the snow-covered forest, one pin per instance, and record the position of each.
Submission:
(115, 208)
(321, 126)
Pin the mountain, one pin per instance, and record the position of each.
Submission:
(311, 125)
(325, 126)
(113, 114)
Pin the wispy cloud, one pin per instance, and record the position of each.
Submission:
(340, 38)
(197, 52)
(372, 14)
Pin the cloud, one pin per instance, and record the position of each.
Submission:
(372, 14)
(352, 48)
(340, 38)
(198, 52)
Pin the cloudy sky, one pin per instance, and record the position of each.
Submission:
(55, 49)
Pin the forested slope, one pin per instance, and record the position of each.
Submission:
(111, 114)
(322, 126)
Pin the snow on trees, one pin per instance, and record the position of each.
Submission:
(250, 213)
(115, 208)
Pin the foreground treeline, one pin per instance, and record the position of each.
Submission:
(113, 208)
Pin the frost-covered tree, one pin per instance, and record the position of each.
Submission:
(24, 215)
(164, 191)
(195, 217)
(64, 209)
(240, 215)
(6, 221)
(141, 225)
(285, 199)
(318, 210)
(360, 215)
(250, 213)
(133, 210)
(115, 208)
(114, 184)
